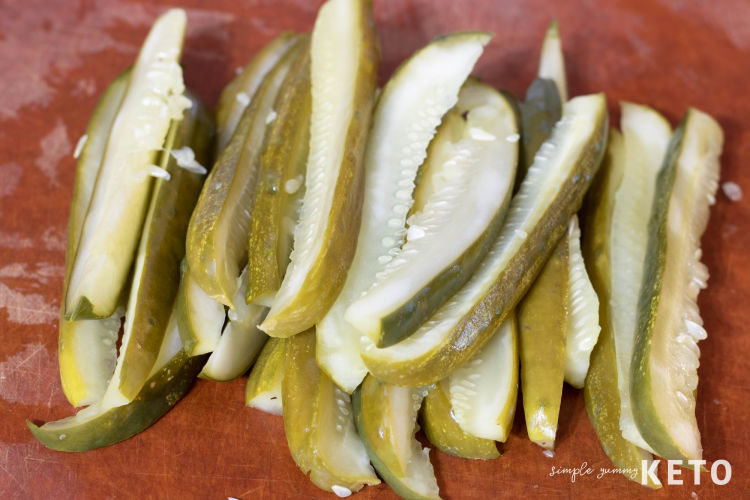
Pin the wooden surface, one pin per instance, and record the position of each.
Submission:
(57, 56)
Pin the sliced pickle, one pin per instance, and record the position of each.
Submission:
(549, 195)
(237, 94)
(539, 113)
(263, 389)
(442, 429)
(552, 62)
(87, 354)
(200, 317)
(646, 136)
(665, 357)
(109, 237)
(600, 392)
(103, 424)
(425, 86)
(156, 274)
(386, 417)
(469, 186)
(281, 184)
(583, 311)
(217, 235)
(241, 340)
(543, 325)
(483, 392)
(319, 423)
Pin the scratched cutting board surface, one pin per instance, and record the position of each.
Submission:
(57, 57)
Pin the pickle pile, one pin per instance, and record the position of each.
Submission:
(385, 260)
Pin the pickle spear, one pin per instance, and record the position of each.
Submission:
(343, 69)
(646, 136)
(600, 392)
(87, 354)
(469, 185)
(281, 184)
(217, 235)
(103, 424)
(538, 216)
(386, 417)
(263, 389)
(240, 341)
(237, 94)
(425, 86)
(443, 431)
(156, 274)
(110, 232)
(483, 392)
(318, 422)
(200, 317)
(552, 62)
(665, 357)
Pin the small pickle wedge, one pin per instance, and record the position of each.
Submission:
(552, 62)
(442, 429)
(237, 94)
(426, 85)
(538, 216)
(343, 69)
(240, 342)
(217, 235)
(263, 389)
(484, 391)
(103, 424)
(281, 185)
(318, 422)
(665, 357)
(200, 317)
(386, 417)
(156, 274)
(87, 354)
(646, 136)
(600, 391)
(469, 185)
(109, 237)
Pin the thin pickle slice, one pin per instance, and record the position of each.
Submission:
(113, 223)
(665, 358)
(217, 235)
(263, 389)
(442, 429)
(343, 66)
(552, 62)
(462, 210)
(425, 86)
(600, 392)
(549, 195)
(87, 354)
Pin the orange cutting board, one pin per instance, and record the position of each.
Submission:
(56, 57)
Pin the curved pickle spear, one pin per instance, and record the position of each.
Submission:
(549, 195)
(281, 184)
(263, 389)
(442, 429)
(542, 319)
(237, 94)
(199, 317)
(484, 391)
(156, 274)
(102, 424)
(217, 235)
(665, 358)
(470, 186)
(318, 422)
(434, 76)
(646, 136)
(87, 354)
(386, 417)
(344, 63)
(240, 342)
(113, 223)
(600, 391)
(583, 311)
